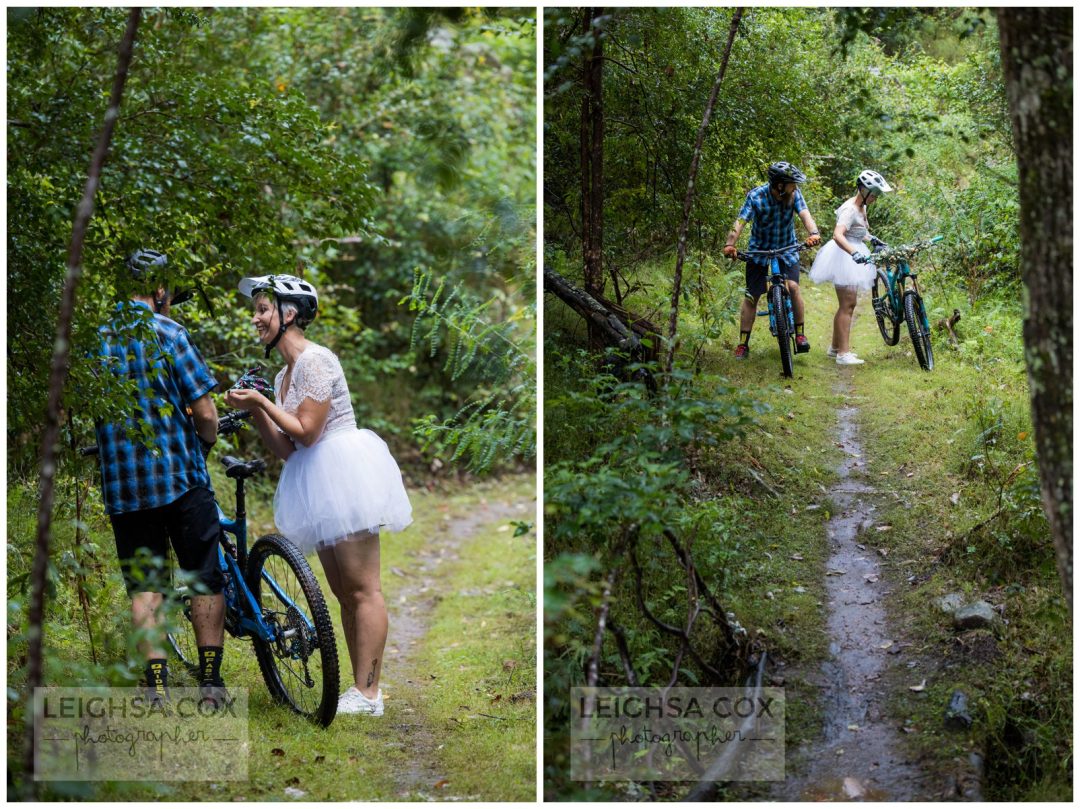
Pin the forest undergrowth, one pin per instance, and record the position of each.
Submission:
(738, 463)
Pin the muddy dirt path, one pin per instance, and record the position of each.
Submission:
(860, 754)
(410, 613)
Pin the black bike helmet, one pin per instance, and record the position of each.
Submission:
(784, 172)
(146, 267)
(145, 264)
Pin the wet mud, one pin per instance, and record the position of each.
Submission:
(860, 755)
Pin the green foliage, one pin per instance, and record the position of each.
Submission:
(349, 145)
(917, 96)
(498, 420)
(622, 463)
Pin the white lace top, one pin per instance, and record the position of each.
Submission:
(317, 375)
(853, 221)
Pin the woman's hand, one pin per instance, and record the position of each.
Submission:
(250, 400)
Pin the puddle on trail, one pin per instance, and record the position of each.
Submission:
(859, 756)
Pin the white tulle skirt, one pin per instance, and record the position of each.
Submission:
(833, 265)
(346, 482)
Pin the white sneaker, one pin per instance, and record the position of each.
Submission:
(352, 701)
(848, 358)
(831, 353)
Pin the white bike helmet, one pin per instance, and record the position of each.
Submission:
(872, 181)
(284, 288)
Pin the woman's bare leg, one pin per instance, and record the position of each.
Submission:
(352, 570)
(846, 297)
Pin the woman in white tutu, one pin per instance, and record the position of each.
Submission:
(339, 485)
(842, 261)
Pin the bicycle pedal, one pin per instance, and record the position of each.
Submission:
(880, 307)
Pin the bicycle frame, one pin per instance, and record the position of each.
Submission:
(777, 277)
(897, 283)
(243, 603)
(897, 272)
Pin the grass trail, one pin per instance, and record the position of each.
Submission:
(949, 456)
(460, 590)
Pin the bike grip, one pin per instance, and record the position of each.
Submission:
(936, 239)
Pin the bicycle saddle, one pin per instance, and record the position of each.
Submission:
(235, 468)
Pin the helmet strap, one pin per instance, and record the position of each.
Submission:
(281, 330)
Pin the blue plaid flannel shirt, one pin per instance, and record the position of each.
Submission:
(170, 374)
(772, 225)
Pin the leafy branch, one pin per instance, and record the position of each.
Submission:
(497, 423)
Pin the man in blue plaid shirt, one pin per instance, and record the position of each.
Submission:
(162, 491)
(772, 209)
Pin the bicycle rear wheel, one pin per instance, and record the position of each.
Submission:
(919, 329)
(777, 299)
(887, 320)
(300, 665)
(181, 634)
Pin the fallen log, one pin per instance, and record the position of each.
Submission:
(621, 329)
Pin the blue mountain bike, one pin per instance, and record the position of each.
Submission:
(895, 301)
(781, 313)
(273, 599)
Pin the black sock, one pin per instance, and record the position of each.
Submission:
(210, 664)
(157, 675)
(744, 338)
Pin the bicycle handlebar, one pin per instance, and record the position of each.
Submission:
(748, 255)
(231, 422)
(903, 251)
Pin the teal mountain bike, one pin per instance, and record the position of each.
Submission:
(896, 297)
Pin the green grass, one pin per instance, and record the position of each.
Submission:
(477, 671)
(357, 758)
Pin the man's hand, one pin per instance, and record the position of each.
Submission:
(814, 240)
(245, 399)
(729, 250)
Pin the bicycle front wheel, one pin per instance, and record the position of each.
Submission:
(919, 329)
(300, 663)
(778, 301)
(887, 320)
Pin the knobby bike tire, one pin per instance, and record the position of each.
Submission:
(783, 337)
(915, 315)
(890, 327)
(288, 664)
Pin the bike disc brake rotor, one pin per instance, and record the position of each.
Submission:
(882, 307)
(301, 646)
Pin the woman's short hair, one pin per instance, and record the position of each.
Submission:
(287, 307)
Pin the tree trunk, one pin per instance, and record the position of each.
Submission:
(1036, 58)
(688, 204)
(592, 165)
(57, 376)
